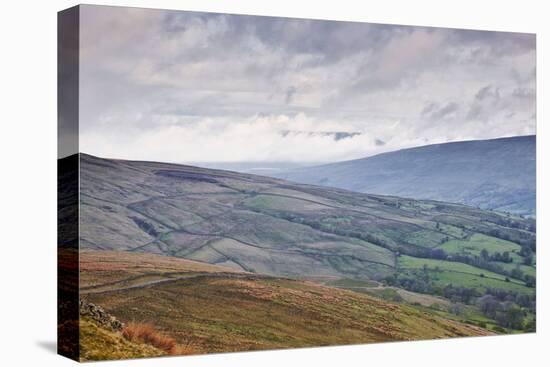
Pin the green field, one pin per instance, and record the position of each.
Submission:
(447, 272)
(478, 242)
(426, 238)
(452, 231)
(527, 270)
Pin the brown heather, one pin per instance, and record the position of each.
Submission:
(147, 334)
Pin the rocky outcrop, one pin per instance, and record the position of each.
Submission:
(99, 315)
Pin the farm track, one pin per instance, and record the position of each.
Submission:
(98, 289)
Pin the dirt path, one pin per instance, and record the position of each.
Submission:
(169, 277)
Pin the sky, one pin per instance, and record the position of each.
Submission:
(180, 86)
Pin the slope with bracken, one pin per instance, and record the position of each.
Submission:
(217, 309)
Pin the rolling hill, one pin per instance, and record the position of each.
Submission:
(224, 261)
(495, 174)
(273, 227)
(210, 308)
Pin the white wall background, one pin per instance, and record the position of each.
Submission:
(28, 182)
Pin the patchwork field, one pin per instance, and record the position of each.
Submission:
(269, 226)
(478, 242)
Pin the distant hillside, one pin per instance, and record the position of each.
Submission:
(491, 174)
(269, 226)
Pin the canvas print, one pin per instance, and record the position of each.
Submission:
(233, 183)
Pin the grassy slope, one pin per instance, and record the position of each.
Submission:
(107, 270)
(526, 269)
(269, 226)
(478, 242)
(98, 343)
(218, 312)
(447, 272)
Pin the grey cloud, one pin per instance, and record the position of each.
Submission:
(435, 112)
(335, 135)
(490, 44)
(475, 112)
(528, 93)
(429, 109)
(484, 100)
(146, 72)
(514, 103)
(290, 91)
(447, 110)
(488, 93)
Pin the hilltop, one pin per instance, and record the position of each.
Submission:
(495, 174)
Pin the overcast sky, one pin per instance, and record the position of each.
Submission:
(187, 87)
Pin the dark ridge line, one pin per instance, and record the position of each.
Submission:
(516, 137)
